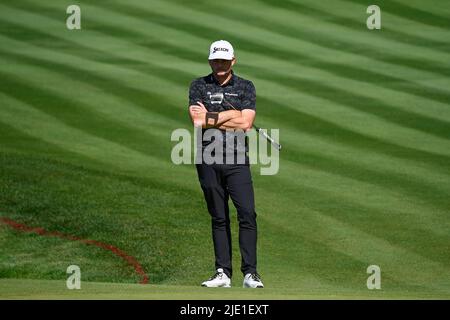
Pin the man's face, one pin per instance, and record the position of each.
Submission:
(221, 67)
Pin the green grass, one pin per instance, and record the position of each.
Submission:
(85, 124)
(56, 289)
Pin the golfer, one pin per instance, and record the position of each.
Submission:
(222, 101)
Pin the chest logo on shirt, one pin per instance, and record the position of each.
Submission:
(216, 98)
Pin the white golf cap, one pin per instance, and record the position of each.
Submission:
(221, 50)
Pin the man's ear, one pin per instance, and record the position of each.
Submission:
(233, 61)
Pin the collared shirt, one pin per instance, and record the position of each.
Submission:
(238, 93)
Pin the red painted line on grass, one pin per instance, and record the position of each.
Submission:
(42, 232)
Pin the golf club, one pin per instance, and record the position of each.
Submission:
(259, 130)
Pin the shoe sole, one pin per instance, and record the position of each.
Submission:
(224, 286)
(257, 287)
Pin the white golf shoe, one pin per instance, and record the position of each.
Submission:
(219, 279)
(252, 280)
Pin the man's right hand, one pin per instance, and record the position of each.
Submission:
(198, 108)
(198, 115)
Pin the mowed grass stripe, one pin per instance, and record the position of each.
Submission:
(108, 84)
(148, 216)
(170, 49)
(73, 112)
(399, 231)
(358, 195)
(418, 229)
(288, 117)
(26, 118)
(140, 10)
(433, 194)
(264, 70)
(15, 113)
(338, 36)
(349, 41)
(155, 100)
(377, 168)
(359, 102)
(323, 105)
(302, 250)
(345, 262)
(302, 155)
(183, 51)
(411, 13)
(280, 51)
(139, 215)
(16, 141)
(298, 257)
(345, 39)
(364, 251)
(329, 254)
(79, 115)
(354, 17)
(106, 153)
(51, 169)
(338, 241)
(326, 254)
(437, 7)
(365, 194)
(118, 99)
(333, 133)
(248, 44)
(353, 243)
(364, 173)
(195, 13)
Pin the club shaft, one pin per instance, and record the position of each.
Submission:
(270, 139)
(262, 132)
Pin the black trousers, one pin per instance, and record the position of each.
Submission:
(219, 182)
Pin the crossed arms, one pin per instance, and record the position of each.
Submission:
(230, 119)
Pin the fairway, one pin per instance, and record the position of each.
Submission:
(86, 118)
(54, 289)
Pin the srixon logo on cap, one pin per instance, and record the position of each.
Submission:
(220, 49)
